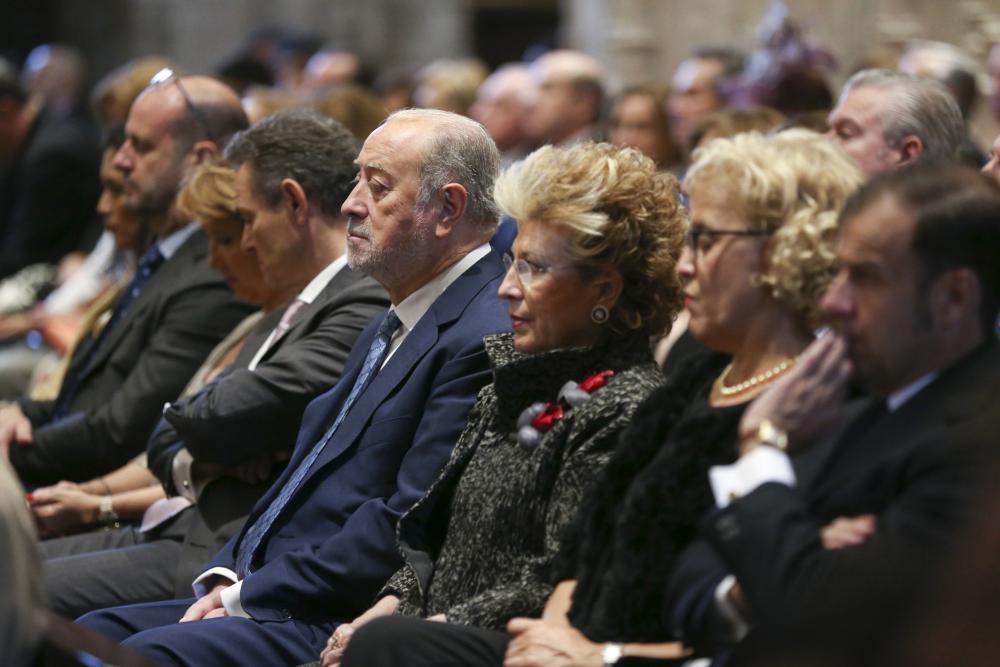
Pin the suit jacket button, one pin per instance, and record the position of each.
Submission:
(728, 527)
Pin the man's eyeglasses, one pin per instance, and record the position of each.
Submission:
(701, 239)
(528, 272)
(167, 75)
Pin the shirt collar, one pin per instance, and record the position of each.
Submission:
(413, 307)
(322, 279)
(898, 398)
(171, 244)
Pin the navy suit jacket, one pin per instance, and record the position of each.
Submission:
(334, 545)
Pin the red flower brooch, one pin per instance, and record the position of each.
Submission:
(542, 416)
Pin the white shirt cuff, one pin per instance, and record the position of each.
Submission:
(737, 624)
(181, 472)
(762, 465)
(201, 588)
(231, 600)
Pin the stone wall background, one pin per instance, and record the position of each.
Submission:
(639, 40)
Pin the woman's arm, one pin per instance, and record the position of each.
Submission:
(127, 478)
(131, 489)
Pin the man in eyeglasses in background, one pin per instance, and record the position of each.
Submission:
(167, 319)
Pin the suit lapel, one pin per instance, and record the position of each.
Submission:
(447, 308)
(344, 279)
(192, 251)
(409, 354)
(957, 394)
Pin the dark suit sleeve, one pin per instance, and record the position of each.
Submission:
(691, 611)
(161, 449)
(769, 540)
(352, 565)
(90, 443)
(37, 412)
(247, 413)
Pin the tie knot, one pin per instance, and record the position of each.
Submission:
(151, 258)
(291, 312)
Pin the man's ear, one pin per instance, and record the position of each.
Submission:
(454, 200)
(910, 149)
(204, 151)
(294, 198)
(955, 297)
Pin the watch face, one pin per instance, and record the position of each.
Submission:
(611, 654)
(769, 434)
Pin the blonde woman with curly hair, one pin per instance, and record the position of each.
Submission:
(592, 277)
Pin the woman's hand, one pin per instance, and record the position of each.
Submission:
(63, 506)
(335, 645)
(536, 643)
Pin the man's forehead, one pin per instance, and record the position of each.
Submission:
(883, 228)
(391, 147)
(863, 102)
(150, 113)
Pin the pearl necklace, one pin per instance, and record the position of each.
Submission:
(760, 378)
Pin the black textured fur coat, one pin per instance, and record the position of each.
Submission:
(647, 506)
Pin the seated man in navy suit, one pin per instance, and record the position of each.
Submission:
(320, 543)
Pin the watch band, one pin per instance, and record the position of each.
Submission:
(772, 436)
(612, 653)
(106, 514)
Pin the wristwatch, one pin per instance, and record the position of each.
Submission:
(106, 514)
(611, 653)
(772, 436)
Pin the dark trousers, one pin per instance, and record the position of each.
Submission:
(403, 640)
(108, 568)
(152, 630)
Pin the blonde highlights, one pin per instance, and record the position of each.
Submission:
(209, 195)
(620, 214)
(792, 184)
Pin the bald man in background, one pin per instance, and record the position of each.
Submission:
(165, 322)
(570, 97)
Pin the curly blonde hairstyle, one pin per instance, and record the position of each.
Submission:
(209, 195)
(620, 214)
(792, 184)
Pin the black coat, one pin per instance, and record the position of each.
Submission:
(917, 469)
(646, 507)
(144, 361)
(49, 192)
(244, 414)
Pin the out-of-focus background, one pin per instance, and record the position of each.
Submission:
(639, 41)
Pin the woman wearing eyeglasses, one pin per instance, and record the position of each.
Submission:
(759, 255)
(593, 276)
